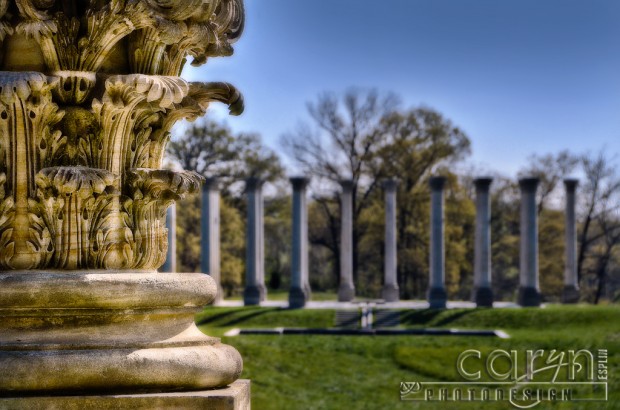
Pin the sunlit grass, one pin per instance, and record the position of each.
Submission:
(364, 372)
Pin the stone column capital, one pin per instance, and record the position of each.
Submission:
(299, 182)
(390, 184)
(529, 184)
(437, 183)
(571, 184)
(347, 185)
(212, 184)
(483, 183)
(253, 183)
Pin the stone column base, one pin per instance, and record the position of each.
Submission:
(108, 332)
(262, 289)
(233, 397)
(437, 298)
(390, 293)
(296, 298)
(346, 293)
(529, 297)
(570, 294)
(307, 291)
(484, 297)
(251, 296)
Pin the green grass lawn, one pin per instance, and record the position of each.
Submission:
(364, 372)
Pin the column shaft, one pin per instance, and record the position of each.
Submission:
(254, 255)
(171, 256)
(483, 294)
(437, 293)
(300, 287)
(529, 293)
(210, 233)
(390, 291)
(571, 281)
(346, 290)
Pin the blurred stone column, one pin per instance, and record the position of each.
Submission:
(571, 282)
(437, 293)
(300, 286)
(261, 242)
(346, 290)
(390, 285)
(171, 256)
(254, 263)
(482, 251)
(210, 233)
(529, 293)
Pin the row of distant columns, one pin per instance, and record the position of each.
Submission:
(300, 293)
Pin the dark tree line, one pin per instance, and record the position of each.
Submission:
(366, 136)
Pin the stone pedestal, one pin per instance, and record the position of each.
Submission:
(390, 291)
(210, 233)
(346, 290)
(255, 289)
(108, 331)
(483, 294)
(90, 92)
(529, 294)
(236, 396)
(437, 296)
(300, 286)
(571, 281)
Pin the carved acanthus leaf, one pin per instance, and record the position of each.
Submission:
(20, 85)
(226, 19)
(162, 90)
(85, 182)
(163, 184)
(204, 93)
(108, 26)
(176, 10)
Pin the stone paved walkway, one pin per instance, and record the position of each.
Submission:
(408, 304)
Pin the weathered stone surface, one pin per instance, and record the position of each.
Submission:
(346, 289)
(112, 331)
(111, 68)
(84, 125)
(236, 396)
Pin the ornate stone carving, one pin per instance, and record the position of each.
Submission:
(151, 193)
(89, 91)
(113, 128)
(27, 144)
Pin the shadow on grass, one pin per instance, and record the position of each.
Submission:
(454, 316)
(426, 316)
(418, 317)
(238, 316)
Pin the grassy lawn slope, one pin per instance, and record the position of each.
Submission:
(364, 372)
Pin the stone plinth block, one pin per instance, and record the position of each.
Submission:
(108, 331)
(570, 294)
(390, 293)
(346, 293)
(297, 298)
(251, 296)
(437, 298)
(483, 297)
(233, 397)
(529, 297)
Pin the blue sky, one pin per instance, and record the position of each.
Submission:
(518, 76)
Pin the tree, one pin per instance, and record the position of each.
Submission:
(414, 145)
(365, 137)
(340, 147)
(213, 150)
(599, 233)
(550, 169)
